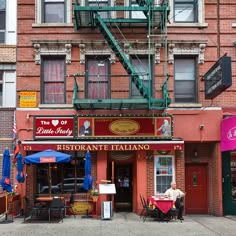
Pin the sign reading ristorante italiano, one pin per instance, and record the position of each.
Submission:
(101, 127)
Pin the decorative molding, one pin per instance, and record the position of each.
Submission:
(52, 48)
(157, 53)
(95, 49)
(187, 48)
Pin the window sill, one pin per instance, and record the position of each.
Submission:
(44, 25)
(56, 106)
(188, 25)
(185, 105)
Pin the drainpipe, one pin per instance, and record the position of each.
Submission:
(218, 28)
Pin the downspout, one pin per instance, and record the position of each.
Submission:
(218, 28)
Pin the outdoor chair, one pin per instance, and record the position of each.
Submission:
(147, 211)
(31, 211)
(71, 202)
(56, 206)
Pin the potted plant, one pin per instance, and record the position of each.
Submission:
(94, 193)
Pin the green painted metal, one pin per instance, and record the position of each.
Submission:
(87, 16)
(121, 56)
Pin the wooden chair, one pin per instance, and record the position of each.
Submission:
(56, 206)
(71, 202)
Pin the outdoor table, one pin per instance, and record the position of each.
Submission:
(162, 204)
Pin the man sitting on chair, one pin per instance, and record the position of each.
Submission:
(176, 195)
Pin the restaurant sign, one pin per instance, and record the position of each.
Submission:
(54, 127)
(218, 78)
(228, 134)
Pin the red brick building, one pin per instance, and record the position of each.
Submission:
(126, 80)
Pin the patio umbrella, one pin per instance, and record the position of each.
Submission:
(19, 165)
(48, 156)
(6, 169)
(88, 180)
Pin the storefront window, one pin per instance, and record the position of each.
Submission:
(164, 173)
(65, 177)
(233, 176)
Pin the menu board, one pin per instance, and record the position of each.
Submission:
(107, 189)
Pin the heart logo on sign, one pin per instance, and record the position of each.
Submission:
(55, 122)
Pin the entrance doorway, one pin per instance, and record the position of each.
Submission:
(196, 189)
(229, 183)
(123, 182)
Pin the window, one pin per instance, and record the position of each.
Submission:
(185, 82)
(1, 87)
(100, 3)
(7, 86)
(54, 11)
(2, 20)
(53, 91)
(136, 14)
(66, 177)
(141, 67)
(98, 77)
(164, 173)
(185, 10)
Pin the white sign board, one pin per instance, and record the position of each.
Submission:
(107, 189)
(106, 210)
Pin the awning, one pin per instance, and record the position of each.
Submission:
(122, 145)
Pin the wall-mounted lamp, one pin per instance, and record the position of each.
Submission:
(27, 116)
(201, 126)
(195, 153)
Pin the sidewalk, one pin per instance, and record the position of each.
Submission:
(125, 224)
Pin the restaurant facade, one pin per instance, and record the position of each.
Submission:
(80, 88)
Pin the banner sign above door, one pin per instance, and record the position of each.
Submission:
(160, 127)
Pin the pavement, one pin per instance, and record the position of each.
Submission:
(124, 224)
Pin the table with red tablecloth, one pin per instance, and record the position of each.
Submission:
(163, 204)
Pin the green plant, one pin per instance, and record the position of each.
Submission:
(94, 192)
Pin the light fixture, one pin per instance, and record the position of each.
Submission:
(27, 116)
(195, 153)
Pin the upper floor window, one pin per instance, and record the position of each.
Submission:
(141, 67)
(185, 10)
(53, 80)
(100, 3)
(136, 14)
(1, 86)
(7, 86)
(54, 11)
(164, 173)
(187, 13)
(185, 80)
(97, 86)
(2, 20)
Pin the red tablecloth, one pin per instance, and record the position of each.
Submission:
(162, 204)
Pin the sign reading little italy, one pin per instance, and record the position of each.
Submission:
(100, 127)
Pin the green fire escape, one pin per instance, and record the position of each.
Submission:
(155, 18)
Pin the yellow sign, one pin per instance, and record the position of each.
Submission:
(28, 99)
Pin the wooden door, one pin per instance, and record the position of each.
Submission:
(196, 200)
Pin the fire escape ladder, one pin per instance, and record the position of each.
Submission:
(121, 56)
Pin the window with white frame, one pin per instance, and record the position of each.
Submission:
(2, 20)
(53, 80)
(53, 11)
(164, 173)
(141, 66)
(187, 13)
(136, 14)
(7, 86)
(185, 80)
